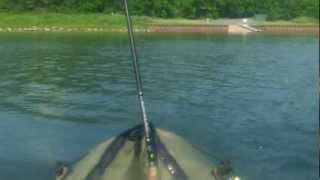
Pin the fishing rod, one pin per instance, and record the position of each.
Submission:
(147, 128)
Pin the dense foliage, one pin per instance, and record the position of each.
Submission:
(274, 9)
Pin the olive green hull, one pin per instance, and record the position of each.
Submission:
(127, 165)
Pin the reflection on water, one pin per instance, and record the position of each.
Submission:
(251, 100)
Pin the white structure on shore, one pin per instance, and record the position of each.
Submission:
(241, 28)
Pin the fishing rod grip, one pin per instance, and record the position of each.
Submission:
(153, 173)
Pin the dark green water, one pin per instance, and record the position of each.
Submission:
(251, 100)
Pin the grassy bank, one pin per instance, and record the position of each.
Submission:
(68, 20)
(301, 21)
(105, 21)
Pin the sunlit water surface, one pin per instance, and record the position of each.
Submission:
(251, 100)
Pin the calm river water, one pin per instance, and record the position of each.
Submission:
(251, 100)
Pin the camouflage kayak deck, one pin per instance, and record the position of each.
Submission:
(124, 158)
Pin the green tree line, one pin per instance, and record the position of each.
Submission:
(273, 9)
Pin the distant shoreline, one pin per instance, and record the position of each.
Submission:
(70, 29)
(223, 29)
(218, 29)
(55, 22)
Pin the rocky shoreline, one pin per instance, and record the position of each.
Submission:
(170, 29)
(224, 29)
(61, 29)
